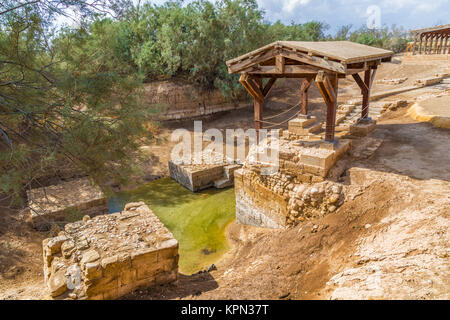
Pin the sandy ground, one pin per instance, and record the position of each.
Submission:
(389, 240)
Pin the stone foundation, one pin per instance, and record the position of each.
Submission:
(303, 125)
(362, 127)
(281, 200)
(176, 100)
(65, 202)
(196, 177)
(297, 191)
(110, 255)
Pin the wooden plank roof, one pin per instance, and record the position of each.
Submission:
(345, 51)
(445, 27)
(331, 55)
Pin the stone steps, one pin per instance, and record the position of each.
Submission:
(303, 126)
(223, 183)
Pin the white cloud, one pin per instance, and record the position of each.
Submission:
(290, 5)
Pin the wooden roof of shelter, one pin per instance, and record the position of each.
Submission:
(438, 29)
(431, 40)
(321, 62)
(333, 56)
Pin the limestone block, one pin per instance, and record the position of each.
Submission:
(62, 201)
(197, 177)
(110, 255)
(362, 128)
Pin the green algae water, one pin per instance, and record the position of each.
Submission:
(197, 220)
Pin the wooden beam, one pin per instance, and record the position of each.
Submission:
(420, 43)
(440, 44)
(279, 64)
(314, 61)
(238, 67)
(288, 70)
(258, 108)
(256, 86)
(251, 87)
(306, 83)
(353, 71)
(446, 50)
(269, 87)
(360, 83)
(328, 89)
(372, 77)
(366, 95)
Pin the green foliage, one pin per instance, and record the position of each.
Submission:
(69, 103)
(394, 39)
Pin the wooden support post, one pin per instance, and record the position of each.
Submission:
(366, 96)
(440, 44)
(279, 64)
(365, 86)
(328, 89)
(254, 88)
(258, 108)
(436, 43)
(269, 87)
(306, 83)
(420, 43)
(445, 46)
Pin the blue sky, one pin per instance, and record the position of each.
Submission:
(411, 14)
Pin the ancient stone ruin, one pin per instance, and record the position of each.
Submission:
(108, 256)
(297, 191)
(64, 202)
(217, 171)
(177, 100)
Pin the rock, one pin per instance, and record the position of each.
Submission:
(336, 189)
(331, 208)
(86, 218)
(367, 226)
(57, 283)
(67, 248)
(212, 267)
(89, 256)
(333, 198)
(54, 244)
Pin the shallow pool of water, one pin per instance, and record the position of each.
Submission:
(197, 220)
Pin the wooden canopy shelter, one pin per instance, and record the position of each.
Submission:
(323, 62)
(431, 40)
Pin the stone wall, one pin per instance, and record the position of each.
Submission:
(65, 201)
(110, 255)
(215, 170)
(195, 177)
(298, 190)
(177, 100)
(280, 200)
